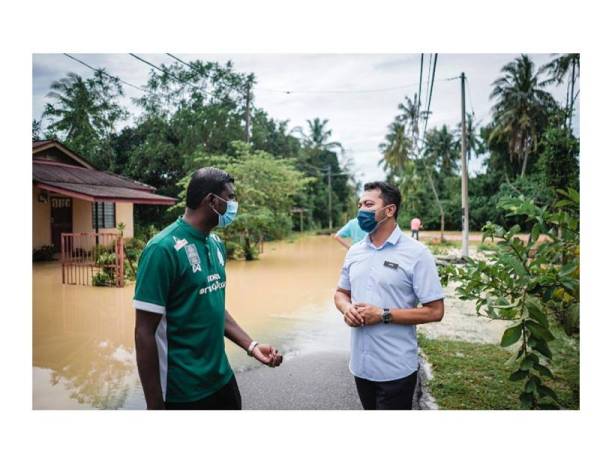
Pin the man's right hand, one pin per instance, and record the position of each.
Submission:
(352, 317)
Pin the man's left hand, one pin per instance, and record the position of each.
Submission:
(370, 313)
(267, 355)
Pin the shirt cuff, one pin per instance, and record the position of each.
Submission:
(150, 307)
(431, 298)
(344, 284)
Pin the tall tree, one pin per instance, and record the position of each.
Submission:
(395, 149)
(36, 130)
(565, 66)
(318, 136)
(84, 113)
(442, 151)
(474, 143)
(521, 108)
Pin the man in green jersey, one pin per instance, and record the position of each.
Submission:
(180, 306)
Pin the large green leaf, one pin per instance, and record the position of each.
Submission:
(511, 335)
(537, 314)
(539, 331)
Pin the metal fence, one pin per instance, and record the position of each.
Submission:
(92, 259)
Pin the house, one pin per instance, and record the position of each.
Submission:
(71, 196)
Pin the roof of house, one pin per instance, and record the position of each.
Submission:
(90, 184)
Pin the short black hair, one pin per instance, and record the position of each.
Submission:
(389, 193)
(208, 180)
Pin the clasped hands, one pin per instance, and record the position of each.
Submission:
(361, 314)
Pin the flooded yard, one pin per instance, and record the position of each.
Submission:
(83, 337)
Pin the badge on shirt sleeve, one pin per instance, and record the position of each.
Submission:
(391, 265)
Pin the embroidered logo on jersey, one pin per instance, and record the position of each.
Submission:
(220, 257)
(179, 243)
(193, 257)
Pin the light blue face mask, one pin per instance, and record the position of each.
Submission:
(229, 215)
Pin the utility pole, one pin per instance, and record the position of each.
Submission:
(465, 174)
(329, 185)
(248, 98)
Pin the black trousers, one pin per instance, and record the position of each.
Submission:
(228, 397)
(395, 394)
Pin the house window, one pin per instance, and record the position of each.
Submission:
(106, 215)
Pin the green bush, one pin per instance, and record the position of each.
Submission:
(44, 253)
(103, 278)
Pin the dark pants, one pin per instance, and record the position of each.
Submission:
(395, 394)
(415, 233)
(228, 397)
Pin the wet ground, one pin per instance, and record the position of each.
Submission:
(83, 351)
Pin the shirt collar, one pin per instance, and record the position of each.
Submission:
(392, 239)
(191, 230)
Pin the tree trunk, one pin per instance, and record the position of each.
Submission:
(572, 103)
(437, 199)
(524, 168)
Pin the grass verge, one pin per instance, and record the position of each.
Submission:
(468, 375)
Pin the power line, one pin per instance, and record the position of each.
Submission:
(105, 72)
(418, 104)
(160, 69)
(430, 95)
(470, 96)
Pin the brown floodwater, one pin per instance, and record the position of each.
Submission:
(83, 348)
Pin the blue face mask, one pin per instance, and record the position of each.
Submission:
(367, 221)
(229, 215)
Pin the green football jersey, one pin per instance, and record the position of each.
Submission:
(181, 275)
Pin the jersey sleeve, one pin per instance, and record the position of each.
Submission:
(154, 278)
(426, 281)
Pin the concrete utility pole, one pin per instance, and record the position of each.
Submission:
(465, 174)
(329, 185)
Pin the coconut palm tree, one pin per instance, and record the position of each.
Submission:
(474, 143)
(558, 69)
(520, 109)
(442, 151)
(410, 115)
(395, 149)
(318, 135)
(84, 112)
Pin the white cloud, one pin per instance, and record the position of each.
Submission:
(358, 119)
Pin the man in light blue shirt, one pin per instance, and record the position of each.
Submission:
(351, 230)
(383, 280)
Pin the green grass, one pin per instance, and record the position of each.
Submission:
(474, 376)
(443, 247)
(487, 246)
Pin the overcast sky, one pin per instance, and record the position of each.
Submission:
(359, 94)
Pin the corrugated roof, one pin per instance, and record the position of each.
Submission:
(107, 193)
(46, 171)
(90, 184)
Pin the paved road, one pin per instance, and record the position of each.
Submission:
(313, 381)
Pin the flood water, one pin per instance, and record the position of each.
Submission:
(83, 337)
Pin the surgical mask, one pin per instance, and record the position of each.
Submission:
(367, 221)
(229, 215)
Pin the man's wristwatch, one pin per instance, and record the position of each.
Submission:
(251, 348)
(386, 316)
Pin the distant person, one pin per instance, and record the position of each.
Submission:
(383, 280)
(181, 320)
(351, 230)
(415, 226)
